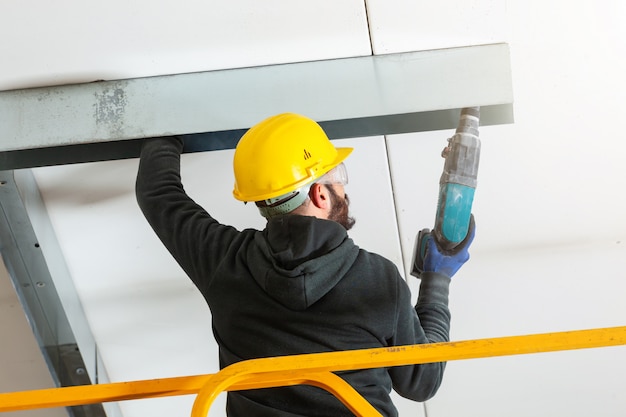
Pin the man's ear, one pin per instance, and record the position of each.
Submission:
(320, 196)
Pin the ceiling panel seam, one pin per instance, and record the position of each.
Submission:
(369, 26)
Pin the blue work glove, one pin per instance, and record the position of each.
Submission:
(444, 262)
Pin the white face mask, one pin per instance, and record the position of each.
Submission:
(285, 203)
(288, 202)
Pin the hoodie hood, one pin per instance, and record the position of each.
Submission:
(298, 259)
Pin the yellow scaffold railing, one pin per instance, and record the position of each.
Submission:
(311, 369)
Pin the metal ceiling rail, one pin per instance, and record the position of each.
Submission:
(43, 283)
(311, 369)
(350, 97)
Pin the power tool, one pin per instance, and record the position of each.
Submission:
(456, 190)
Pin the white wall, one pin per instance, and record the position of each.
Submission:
(21, 365)
(549, 251)
(70, 41)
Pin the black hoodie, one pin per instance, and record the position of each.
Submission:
(301, 285)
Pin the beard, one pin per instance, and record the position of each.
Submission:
(339, 211)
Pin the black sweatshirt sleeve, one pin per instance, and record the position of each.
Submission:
(196, 240)
(428, 323)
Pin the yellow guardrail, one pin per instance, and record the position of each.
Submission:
(312, 369)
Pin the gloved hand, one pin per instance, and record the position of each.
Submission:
(444, 262)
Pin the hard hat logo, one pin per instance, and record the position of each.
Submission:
(281, 155)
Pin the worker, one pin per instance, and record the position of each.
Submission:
(300, 285)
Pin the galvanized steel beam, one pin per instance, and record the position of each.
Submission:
(58, 330)
(350, 97)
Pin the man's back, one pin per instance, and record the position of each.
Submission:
(299, 286)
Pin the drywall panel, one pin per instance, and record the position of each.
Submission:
(526, 275)
(550, 178)
(549, 247)
(575, 383)
(406, 25)
(22, 364)
(538, 290)
(147, 318)
(547, 257)
(72, 41)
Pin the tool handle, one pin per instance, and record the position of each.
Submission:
(419, 252)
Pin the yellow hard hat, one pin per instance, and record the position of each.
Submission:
(281, 154)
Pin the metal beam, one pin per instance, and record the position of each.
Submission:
(350, 97)
(41, 279)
